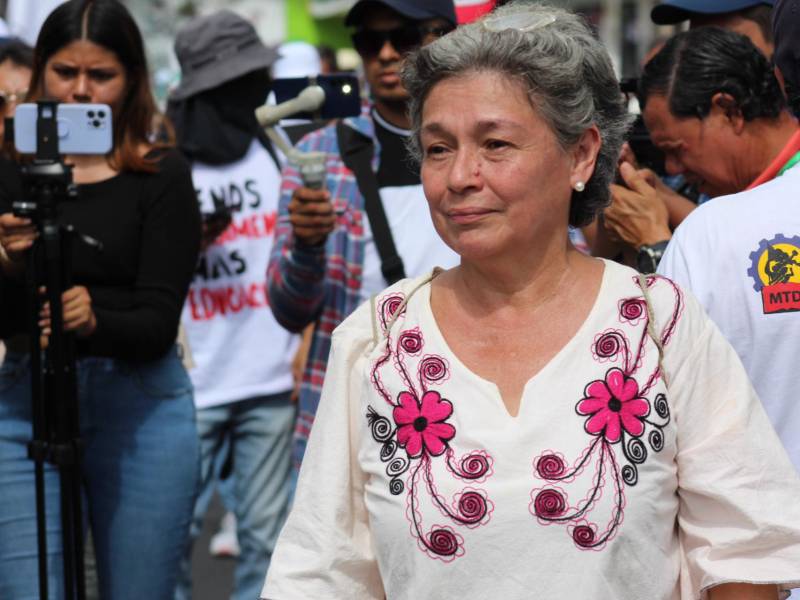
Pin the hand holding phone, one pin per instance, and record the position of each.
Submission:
(637, 213)
(311, 215)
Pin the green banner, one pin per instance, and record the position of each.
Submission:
(301, 24)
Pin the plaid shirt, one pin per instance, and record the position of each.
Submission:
(319, 285)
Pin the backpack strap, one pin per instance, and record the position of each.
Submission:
(356, 151)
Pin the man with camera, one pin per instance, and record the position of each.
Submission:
(644, 208)
(369, 225)
(740, 256)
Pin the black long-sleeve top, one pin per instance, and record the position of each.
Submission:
(149, 227)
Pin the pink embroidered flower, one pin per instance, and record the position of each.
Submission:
(632, 310)
(614, 404)
(422, 423)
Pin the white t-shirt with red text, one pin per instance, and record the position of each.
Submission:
(238, 348)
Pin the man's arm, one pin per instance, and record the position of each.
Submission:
(743, 591)
(296, 271)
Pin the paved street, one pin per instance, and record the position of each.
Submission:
(212, 578)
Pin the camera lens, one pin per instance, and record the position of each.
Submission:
(96, 123)
(101, 114)
(91, 114)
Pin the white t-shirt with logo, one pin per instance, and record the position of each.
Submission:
(239, 349)
(740, 256)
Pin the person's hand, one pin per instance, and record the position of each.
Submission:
(213, 228)
(16, 236)
(637, 213)
(626, 155)
(77, 310)
(311, 215)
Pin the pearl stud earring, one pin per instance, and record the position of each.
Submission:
(579, 186)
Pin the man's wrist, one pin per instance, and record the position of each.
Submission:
(314, 244)
(655, 236)
(649, 255)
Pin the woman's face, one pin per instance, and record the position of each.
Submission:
(493, 173)
(83, 71)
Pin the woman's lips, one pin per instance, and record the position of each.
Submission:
(465, 216)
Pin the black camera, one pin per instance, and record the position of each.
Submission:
(647, 155)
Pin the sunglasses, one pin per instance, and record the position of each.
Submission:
(369, 42)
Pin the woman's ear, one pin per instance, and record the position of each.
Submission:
(584, 155)
(724, 106)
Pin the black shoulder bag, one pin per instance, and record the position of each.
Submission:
(356, 151)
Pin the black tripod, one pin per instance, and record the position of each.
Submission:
(56, 432)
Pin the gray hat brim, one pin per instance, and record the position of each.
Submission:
(222, 71)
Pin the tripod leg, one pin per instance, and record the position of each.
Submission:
(37, 450)
(72, 533)
(41, 530)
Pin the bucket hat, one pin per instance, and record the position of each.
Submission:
(675, 11)
(214, 49)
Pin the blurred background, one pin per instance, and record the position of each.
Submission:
(624, 25)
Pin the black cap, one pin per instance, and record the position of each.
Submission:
(418, 10)
(786, 29)
(670, 12)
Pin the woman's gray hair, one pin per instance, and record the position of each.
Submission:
(566, 70)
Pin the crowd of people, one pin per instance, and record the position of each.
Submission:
(501, 351)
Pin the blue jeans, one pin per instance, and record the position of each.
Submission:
(140, 475)
(258, 433)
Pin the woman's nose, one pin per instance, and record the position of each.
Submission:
(81, 92)
(464, 171)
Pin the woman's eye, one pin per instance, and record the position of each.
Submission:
(435, 150)
(65, 72)
(496, 144)
(102, 75)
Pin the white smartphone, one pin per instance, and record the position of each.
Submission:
(82, 128)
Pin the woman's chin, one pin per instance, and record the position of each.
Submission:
(476, 249)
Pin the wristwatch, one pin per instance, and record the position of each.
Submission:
(649, 256)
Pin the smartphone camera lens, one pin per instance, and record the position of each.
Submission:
(96, 123)
(101, 114)
(90, 114)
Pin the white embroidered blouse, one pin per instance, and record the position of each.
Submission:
(615, 480)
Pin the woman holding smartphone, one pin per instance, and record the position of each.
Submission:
(140, 462)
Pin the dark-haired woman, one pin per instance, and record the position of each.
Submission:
(135, 400)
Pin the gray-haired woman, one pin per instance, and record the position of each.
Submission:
(533, 423)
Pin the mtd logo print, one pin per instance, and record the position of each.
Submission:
(775, 269)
